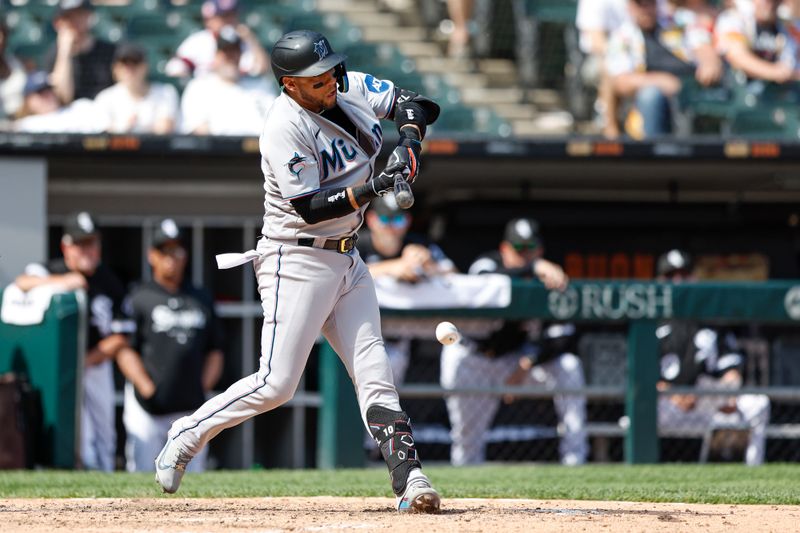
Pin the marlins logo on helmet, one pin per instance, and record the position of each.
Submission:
(321, 49)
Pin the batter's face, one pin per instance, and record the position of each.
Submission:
(315, 94)
(81, 256)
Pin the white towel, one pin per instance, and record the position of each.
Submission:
(22, 308)
(231, 260)
(449, 291)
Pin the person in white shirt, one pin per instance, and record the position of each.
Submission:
(133, 104)
(596, 20)
(195, 55)
(43, 112)
(12, 79)
(223, 102)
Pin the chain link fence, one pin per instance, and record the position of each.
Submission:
(463, 412)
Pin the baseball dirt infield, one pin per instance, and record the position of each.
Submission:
(377, 514)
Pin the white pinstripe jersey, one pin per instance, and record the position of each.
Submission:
(302, 153)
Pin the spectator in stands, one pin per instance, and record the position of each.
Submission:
(175, 356)
(389, 250)
(515, 353)
(12, 79)
(78, 62)
(42, 111)
(195, 55)
(107, 326)
(647, 59)
(596, 20)
(133, 104)
(693, 355)
(460, 12)
(239, 103)
(753, 40)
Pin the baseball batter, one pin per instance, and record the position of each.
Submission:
(319, 144)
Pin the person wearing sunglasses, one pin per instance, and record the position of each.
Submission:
(390, 250)
(515, 352)
(175, 356)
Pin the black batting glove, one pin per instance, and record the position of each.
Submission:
(407, 154)
(384, 182)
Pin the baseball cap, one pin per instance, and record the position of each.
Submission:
(71, 5)
(166, 231)
(214, 8)
(228, 37)
(36, 82)
(673, 261)
(386, 206)
(522, 233)
(131, 52)
(80, 226)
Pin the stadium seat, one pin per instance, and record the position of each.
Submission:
(765, 122)
(559, 11)
(27, 29)
(32, 54)
(264, 25)
(107, 28)
(171, 26)
(333, 25)
(471, 121)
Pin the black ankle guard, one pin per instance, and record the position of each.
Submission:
(392, 432)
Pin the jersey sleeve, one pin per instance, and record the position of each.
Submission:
(730, 29)
(37, 270)
(621, 57)
(379, 93)
(291, 159)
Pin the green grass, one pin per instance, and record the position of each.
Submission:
(769, 484)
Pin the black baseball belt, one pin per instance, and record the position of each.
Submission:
(342, 246)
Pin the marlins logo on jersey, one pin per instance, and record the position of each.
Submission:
(296, 164)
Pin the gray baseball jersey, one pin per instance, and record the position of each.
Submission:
(308, 290)
(302, 152)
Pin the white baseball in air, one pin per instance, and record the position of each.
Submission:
(447, 333)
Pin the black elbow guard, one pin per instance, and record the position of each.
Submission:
(413, 108)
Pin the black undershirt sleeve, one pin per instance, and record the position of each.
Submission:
(332, 203)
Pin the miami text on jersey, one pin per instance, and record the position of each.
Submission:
(335, 159)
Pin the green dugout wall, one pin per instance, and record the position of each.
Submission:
(639, 304)
(51, 355)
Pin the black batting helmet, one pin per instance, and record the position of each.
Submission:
(306, 53)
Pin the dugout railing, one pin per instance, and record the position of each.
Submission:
(639, 304)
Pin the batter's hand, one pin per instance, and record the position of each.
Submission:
(552, 275)
(406, 155)
(384, 182)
